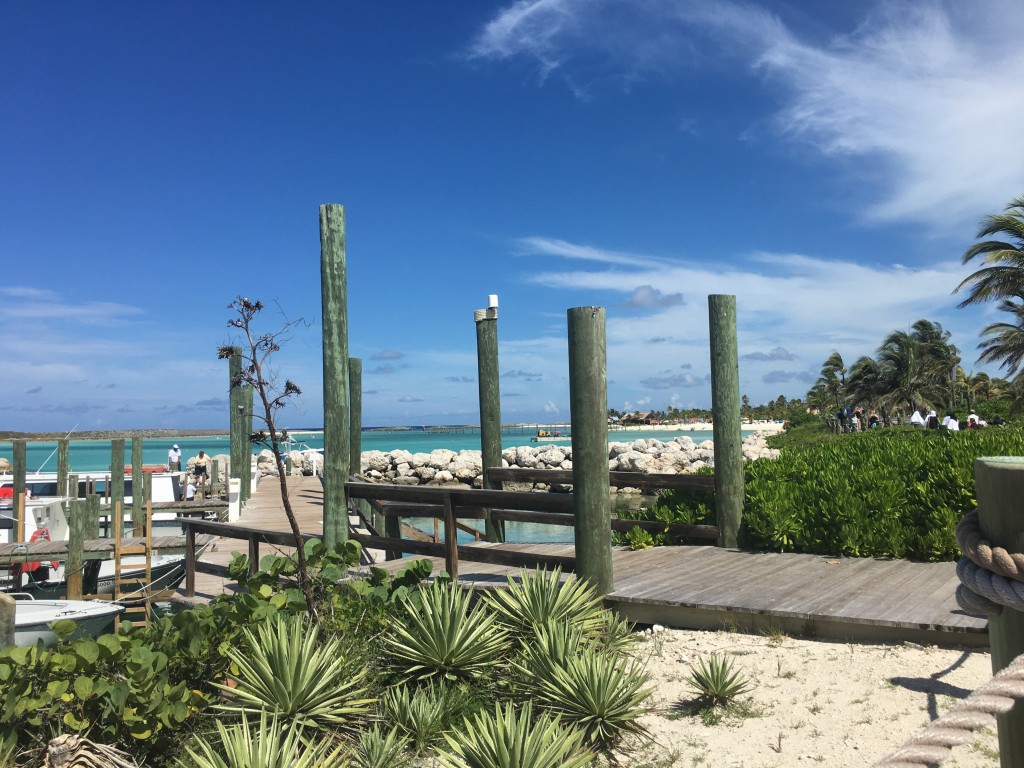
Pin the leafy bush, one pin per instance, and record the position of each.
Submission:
(894, 492)
(540, 597)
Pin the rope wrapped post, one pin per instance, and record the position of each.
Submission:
(1000, 488)
(490, 403)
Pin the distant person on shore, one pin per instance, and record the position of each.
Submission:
(202, 470)
(931, 421)
(916, 420)
(873, 421)
(174, 459)
(972, 421)
(952, 424)
(190, 491)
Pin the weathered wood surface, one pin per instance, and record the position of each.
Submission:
(856, 598)
(657, 481)
(93, 549)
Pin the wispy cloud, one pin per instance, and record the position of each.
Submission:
(388, 354)
(917, 92)
(647, 297)
(776, 354)
(554, 247)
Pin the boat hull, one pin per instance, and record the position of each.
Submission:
(33, 619)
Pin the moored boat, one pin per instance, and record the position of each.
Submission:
(33, 619)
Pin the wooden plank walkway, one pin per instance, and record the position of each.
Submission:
(708, 587)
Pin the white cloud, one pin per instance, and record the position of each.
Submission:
(922, 94)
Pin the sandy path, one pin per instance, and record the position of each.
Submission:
(815, 702)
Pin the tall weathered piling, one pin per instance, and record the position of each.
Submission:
(63, 468)
(138, 503)
(116, 474)
(7, 610)
(490, 403)
(999, 484)
(725, 410)
(20, 468)
(337, 417)
(588, 407)
(248, 397)
(241, 461)
(355, 388)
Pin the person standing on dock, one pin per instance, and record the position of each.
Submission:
(174, 459)
(201, 469)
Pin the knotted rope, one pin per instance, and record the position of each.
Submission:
(990, 578)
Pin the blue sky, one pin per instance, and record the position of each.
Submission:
(827, 163)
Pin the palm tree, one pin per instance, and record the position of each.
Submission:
(867, 384)
(899, 359)
(940, 358)
(833, 378)
(1004, 342)
(1003, 275)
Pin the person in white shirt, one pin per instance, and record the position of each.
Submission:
(174, 459)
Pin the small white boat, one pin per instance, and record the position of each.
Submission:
(33, 618)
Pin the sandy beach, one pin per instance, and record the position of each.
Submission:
(814, 701)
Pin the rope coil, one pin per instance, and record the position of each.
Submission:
(990, 578)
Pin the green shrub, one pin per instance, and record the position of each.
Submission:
(716, 683)
(894, 492)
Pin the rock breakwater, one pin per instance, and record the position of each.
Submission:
(464, 469)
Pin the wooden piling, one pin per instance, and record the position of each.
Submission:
(725, 410)
(355, 453)
(248, 396)
(588, 408)
(63, 467)
(240, 450)
(20, 469)
(138, 503)
(77, 534)
(7, 611)
(116, 490)
(490, 407)
(999, 484)
(337, 416)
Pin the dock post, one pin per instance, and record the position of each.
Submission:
(77, 516)
(236, 417)
(337, 418)
(7, 609)
(490, 403)
(355, 452)
(588, 408)
(247, 406)
(20, 469)
(63, 468)
(725, 410)
(138, 509)
(116, 476)
(999, 483)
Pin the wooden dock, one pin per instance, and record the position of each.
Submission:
(708, 587)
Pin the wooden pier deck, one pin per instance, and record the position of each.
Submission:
(708, 587)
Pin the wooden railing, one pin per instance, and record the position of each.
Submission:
(449, 506)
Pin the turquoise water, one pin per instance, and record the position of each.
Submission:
(94, 455)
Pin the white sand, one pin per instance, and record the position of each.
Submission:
(815, 702)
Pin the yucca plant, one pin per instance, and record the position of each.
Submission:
(420, 715)
(510, 739)
(439, 636)
(290, 672)
(715, 681)
(270, 745)
(377, 748)
(541, 597)
(600, 693)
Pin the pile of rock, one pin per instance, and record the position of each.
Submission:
(464, 468)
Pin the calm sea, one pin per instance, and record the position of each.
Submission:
(94, 455)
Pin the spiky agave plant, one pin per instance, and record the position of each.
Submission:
(293, 674)
(377, 748)
(510, 739)
(271, 744)
(440, 636)
(419, 715)
(716, 682)
(540, 597)
(599, 692)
